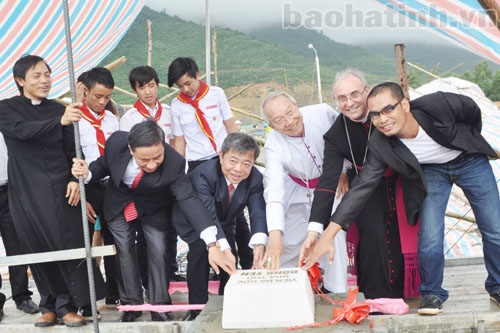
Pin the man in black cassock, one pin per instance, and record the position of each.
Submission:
(43, 195)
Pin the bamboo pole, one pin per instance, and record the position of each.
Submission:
(112, 65)
(493, 10)
(150, 42)
(401, 68)
(214, 42)
(423, 70)
(247, 113)
(239, 91)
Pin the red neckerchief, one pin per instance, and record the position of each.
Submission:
(96, 123)
(200, 117)
(142, 110)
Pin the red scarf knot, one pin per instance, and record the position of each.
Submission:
(96, 123)
(200, 116)
(145, 113)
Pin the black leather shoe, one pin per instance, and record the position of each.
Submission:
(161, 316)
(130, 316)
(177, 278)
(194, 314)
(2, 302)
(28, 306)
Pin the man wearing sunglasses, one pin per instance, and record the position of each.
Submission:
(433, 142)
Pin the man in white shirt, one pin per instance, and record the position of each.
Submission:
(96, 125)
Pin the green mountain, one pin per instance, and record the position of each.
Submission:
(333, 55)
(269, 55)
(441, 59)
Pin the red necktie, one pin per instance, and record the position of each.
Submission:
(200, 117)
(230, 190)
(96, 123)
(142, 110)
(130, 212)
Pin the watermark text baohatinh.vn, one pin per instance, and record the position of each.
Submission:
(351, 16)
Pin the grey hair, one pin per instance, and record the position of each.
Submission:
(272, 96)
(349, 72)
(240, 142)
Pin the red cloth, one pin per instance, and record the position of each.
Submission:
(96, 123)
(311, 183)
(142, 110)
(409, 242)
(200, 116)
(230, 190)
(349, 310)
(130, 211)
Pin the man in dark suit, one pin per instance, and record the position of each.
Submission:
(143, 172)
(433, 142)
(225, 186)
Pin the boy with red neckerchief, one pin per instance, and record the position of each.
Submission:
(94, 89)
(201, 116)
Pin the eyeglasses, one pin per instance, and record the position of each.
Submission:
(375, 115)
(353, 95)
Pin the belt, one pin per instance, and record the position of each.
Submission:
(3, 188)
(462, 157)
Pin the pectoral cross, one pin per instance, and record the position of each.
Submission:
(309, 195)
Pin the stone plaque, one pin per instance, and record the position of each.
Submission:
(264, 298)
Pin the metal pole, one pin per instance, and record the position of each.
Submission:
(316, 60)
(207, 40)
(83, 200)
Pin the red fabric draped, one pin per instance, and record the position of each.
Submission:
(96, 123)
(145, 113)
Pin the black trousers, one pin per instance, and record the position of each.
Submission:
(128, 275)
(95, 195)
(198, 270)
(18, 275)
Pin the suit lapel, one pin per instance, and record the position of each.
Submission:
(120, 166)
(148, 181)
(406, 157)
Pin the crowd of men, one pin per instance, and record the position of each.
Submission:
(377, 175)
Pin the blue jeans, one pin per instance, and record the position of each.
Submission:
(474, 175)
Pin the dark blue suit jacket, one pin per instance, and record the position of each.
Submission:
(211, 187)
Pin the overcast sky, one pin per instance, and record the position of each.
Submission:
(352, 22)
